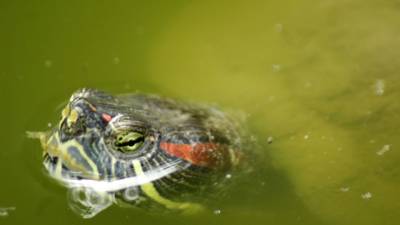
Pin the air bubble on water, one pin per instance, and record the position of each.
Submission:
(49, 125)
(48, 63)
(379, 87)
(308, 84)
(253, 138)
(87, 202)
(278, 27)
(6, 211)
(344, 189)
(383, 150)
(217, 212)
(131, 194)
(306, 137)
(116, 60)
(366, 195)
(276, 68)
(270, 139)
(271, 98)
(228, 176)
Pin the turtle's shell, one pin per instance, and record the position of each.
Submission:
(174, 150)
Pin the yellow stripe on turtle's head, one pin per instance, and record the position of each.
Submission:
(71, 153)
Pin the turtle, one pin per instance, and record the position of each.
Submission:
(140, 150)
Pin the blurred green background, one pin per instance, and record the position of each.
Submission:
(320, 77)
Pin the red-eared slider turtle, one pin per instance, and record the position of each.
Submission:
(139, 149)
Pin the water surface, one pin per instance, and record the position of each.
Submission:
(318, 77)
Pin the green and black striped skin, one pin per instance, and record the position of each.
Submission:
(106, 138)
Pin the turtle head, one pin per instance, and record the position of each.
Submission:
(96, 138)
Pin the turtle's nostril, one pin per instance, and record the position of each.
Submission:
(73, 117)
(73, 123)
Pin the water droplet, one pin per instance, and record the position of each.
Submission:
(6, 211)
(131, 194)
(307, 84)
(366, 195)
(270, 139)
(278, 27)
(271, 98)
(253, 138)
(48, 63)
(383, 150)
(217, 212)
(276, 68)
(379, 87)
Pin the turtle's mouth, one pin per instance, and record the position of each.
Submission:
(58, 169)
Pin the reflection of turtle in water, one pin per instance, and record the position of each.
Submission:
(139, 149)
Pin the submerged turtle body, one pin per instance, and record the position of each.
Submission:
(140, 149)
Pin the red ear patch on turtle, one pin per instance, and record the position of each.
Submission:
(106, 117)
(202, 154)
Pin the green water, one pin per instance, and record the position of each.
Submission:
(320, 77)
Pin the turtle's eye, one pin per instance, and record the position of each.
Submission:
(129, 141)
